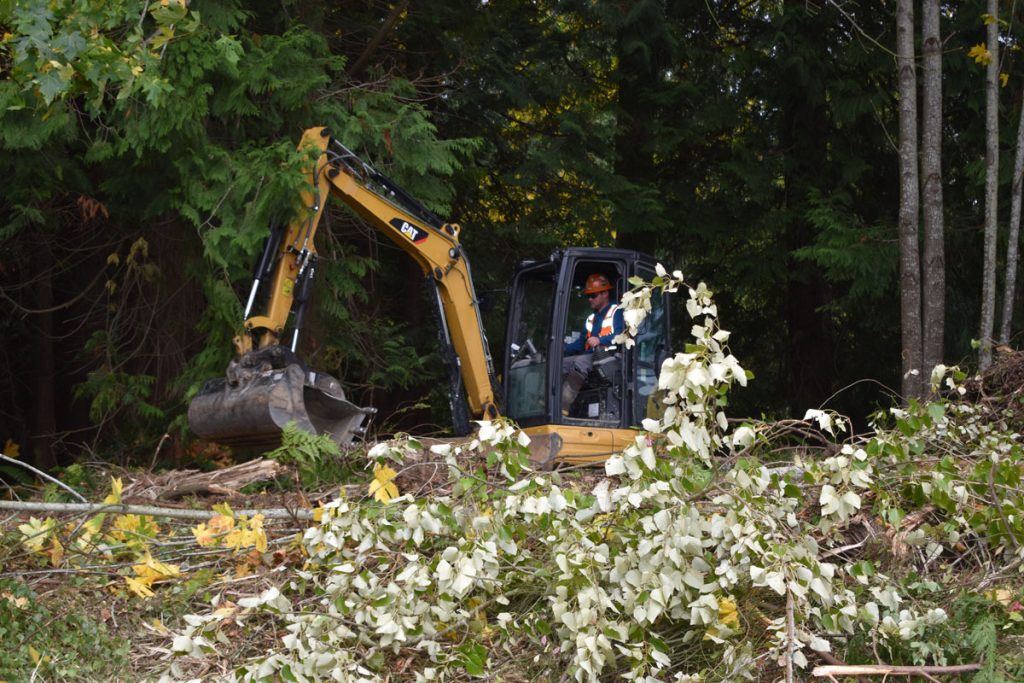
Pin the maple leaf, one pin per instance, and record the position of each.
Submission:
(128, 528)
(35, 532)
(138, 587)
(727, 613)
(249, 533)
(148, 572)
(210, 532)
(382, 487)
(980, 54)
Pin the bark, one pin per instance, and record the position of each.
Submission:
(988, 290)
(356, 70)
(225, 482)
(1012, 246)
(910, 262)
(934, 271)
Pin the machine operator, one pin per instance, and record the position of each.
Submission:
(599, 330)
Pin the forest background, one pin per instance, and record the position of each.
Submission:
(145, 147)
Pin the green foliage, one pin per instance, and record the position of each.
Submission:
(860, 260)
(301, 448)
(317, 459)
(180, 124)
(59, 643)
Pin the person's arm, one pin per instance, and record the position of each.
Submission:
(574, 347)
(577, 345)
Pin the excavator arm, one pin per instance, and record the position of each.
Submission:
(237, 409)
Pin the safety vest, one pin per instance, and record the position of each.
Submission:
(607, 324)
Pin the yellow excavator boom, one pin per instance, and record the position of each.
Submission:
(261, 393)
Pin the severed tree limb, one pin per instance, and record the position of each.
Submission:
(790, 635)
(832, 659)
(151, 510)
(832, 670)
(226, 481)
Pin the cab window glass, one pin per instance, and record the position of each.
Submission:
(649, 353)
(525, 393)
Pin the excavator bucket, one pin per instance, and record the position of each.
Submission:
(262, 393)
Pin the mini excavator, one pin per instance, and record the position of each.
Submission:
(267, 386)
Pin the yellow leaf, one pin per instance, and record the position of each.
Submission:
(35, 533)
(138, 587)
(256, 525)
(728, 621)
(114, 498)
(56, 552)
(1000, 595)
(318, 513)
(1003, 79)
(980, 54)
(988, 19)
(10, 447)
(128, 528)
(34, 654)
(150, 567)
(224, 509)
(382, 488)
(211, 531)
(92, 526)
(249, 533)
(727, 613)
(84, 540)
(148, 572)
(226, 609)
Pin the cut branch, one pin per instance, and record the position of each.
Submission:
(832, 670)
(43, 475)
(150, 510)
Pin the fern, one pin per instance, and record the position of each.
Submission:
(984, 640)
(304, 450)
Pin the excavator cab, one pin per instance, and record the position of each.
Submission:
(547, 312)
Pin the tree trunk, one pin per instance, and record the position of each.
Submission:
(988, 290)
(934, 271)
(910, 266)
(44, 419)
(1012, 250)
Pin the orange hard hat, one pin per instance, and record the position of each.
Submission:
(596, 283)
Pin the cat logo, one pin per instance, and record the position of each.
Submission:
(415, 234)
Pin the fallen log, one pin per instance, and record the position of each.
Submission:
(224, 482)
